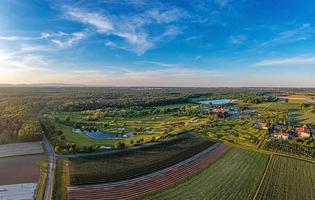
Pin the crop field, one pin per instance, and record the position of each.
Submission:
(299, 98)
(135, 163)
(288, 178)
(236, 175)
(18, 149)
(20, 169)
(278, 106)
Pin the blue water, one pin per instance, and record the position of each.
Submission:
(216, 101)
(99, 135)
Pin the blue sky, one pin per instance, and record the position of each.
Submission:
(206, 43)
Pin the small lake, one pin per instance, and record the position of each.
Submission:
(216, 101)
(311, 101)
(99, 135)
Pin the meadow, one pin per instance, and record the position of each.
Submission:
(288, 178)
(236, 175)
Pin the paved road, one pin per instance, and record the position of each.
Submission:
(50, 171)
(77, 155)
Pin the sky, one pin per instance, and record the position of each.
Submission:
(206, 43)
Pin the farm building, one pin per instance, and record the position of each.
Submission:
(303, 132)
(264, 126)
(282, 135)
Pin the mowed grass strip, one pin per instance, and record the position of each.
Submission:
(236, 175)
(288, 178)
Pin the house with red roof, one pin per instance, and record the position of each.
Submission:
(303, 132)
(264, 126)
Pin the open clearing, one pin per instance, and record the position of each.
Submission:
(236, 175)
(21, 169)
(288, 178)
(23, 191)
(19, 149)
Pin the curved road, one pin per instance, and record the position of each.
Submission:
(51, 170)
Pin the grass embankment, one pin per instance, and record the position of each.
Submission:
(135, 163)
(288, 178)
(40, 191)
(236, 175)
(61, 180)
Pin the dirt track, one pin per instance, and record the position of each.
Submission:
(21, 169)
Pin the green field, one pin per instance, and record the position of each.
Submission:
(278, 106)
(236, 175)
(135, 163)
(236, 131)
(147, 127)
(288, 178)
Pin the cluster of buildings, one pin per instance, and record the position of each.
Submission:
(282, 132)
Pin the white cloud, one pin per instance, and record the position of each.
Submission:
(33, 48)
(192, 38)
(102, 23)
(237, 39)
(69, 39)
(166, 16)
(294, 61)
(25, 62)
(110, 44)
(18, 38)
(304, 32)
(197, 57)
(131, 29)
(162, 64)
(222, 3)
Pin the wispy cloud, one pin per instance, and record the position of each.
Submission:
(25, 62)
(162, 64)
(222, 3)
(130, 28)
(197, 58)
(293, 61)
(69, 39)
(18, 38)
(34, 48)
(237, 39)
(303, 32)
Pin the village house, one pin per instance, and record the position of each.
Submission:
(219, 110)
(264, 126)
(303, 132)
(281, 135)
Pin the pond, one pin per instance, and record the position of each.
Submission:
(216, 101)
(99, 135)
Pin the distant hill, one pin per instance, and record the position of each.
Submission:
(43, 85)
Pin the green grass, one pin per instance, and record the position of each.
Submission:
(135, 163)
(288, 178)
(278, 106)
(236, 175)
(235, 131)
(162, 124)
(61, 180)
